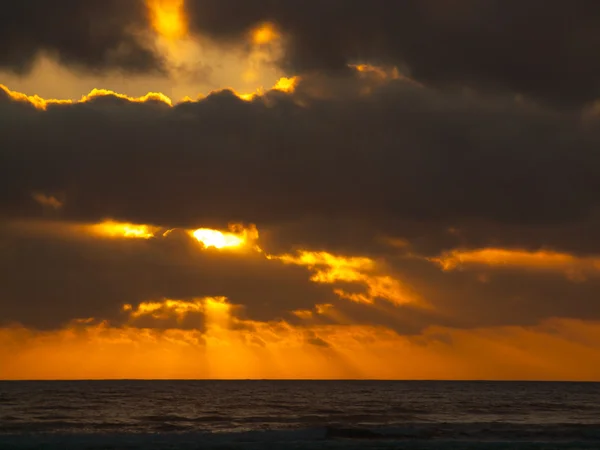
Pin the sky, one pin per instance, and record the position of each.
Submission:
(300, 189)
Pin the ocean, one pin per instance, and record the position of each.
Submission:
(298, 415)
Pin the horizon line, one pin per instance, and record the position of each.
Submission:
(466, 380)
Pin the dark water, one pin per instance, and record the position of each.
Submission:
(298, 414)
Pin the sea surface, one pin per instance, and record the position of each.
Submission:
(298, 415)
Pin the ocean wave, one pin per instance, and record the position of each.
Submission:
(232, 415)
(469, 438)
(493, 431)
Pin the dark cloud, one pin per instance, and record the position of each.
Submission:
(497, 296)
(440, 169)
(542, 49)
(322, 169)
(93, 35)
(49, 279)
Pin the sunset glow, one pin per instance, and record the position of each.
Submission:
(278, 350)
(276, 189)
(110, 228)
(264, 34)
(42, 104)
(165, 308)
(545, 261)
(237, 237)
(168, 18)
(331, 269)
(286, 84)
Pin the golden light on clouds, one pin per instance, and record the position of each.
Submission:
(285, 84)
(328, 268)
(574, 267)
(168, 18)
(324, 310)
(238, 236)
(113, 229)
(217, 239)
(266, 48)
(35, 100)
(563, 349)
(264, 34)
(303, 313)
(165, 309)
(149, 300)
(42, 104)
(150, 96)
(217, 313)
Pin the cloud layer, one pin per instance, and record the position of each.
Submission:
(374, 166)
(543, 51)
(428, 174)
(92, 35)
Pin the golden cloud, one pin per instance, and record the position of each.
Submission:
(264, 34)
(42, 104)
(331, 269)
(113, 229)
(284, 84)
(168, 18)
(239, 236)
(574, 267)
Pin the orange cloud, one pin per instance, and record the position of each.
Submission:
(303, 313)
(266, 47)
(217, 311)
(331, 269)
(110, 228)
(42, 104)
(264, 34)
(576, 268)
(165, 309)
(238, 236)
(35, 100)
(283, 84)
(168, 18)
